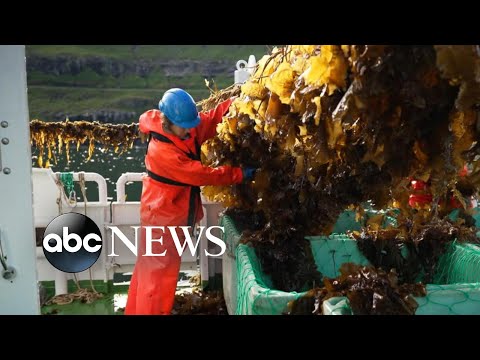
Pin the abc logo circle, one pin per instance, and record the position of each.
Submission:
(72, 242)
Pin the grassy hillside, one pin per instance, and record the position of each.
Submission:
(152, 52)
(78, 80)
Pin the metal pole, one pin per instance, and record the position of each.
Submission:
(19, 293)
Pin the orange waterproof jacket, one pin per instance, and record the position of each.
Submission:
(171, 194)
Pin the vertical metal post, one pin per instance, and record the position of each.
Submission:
(18, 274)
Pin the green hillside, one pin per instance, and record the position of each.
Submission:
(152, 52)
(116, 83)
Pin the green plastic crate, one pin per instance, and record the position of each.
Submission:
(251, 290)
(346, 221)
(255, 295)
(231, 237)
(330, 252)
(460, 264)
(449, 299)
(456, 284)
(457, 280)
(247, 290)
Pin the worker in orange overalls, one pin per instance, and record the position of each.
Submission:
(171, 193)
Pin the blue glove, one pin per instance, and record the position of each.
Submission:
(248, 173)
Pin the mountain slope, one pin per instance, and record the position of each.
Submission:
(116, 83)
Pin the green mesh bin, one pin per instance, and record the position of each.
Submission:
(346, 221)
(247, 290)
(330, 252)
(254, 294)
(450, 299)
(231, 237)
(337, 306)
(457, 281)
(456, 284)
(460, 264)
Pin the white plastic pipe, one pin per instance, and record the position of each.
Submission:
(61, 283)
(252, 63)
(122, 180)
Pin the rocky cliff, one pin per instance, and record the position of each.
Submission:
(70, 65)
(116, 84)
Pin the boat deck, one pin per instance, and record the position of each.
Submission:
(113, 302)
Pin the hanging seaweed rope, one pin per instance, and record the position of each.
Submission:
(52, 138)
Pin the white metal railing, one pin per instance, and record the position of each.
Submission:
(121, 182)
(122, 213)
(48, 212)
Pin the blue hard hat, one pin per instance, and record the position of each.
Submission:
(180, 109)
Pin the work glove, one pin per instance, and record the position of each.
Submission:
(248, 173)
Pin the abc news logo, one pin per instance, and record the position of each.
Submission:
(72, 242)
